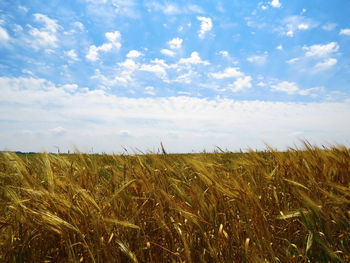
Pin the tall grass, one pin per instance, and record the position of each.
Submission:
(268, 206)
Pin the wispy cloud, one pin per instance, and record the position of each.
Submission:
(112, 8)
(4, 36)
(321, 50)
(23, 8)
(329, 26)
(258, 59)
(131, 73)
(125, 8)
(319, 57)
(325, 64)
(345, 32)
(167, 52)
(79, 25)
(231, 121)
(295, 23)
(292, 88)
(172, 8)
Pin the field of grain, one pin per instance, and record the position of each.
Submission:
(266, 206)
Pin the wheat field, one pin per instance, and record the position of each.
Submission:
(268, 206)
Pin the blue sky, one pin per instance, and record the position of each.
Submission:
(101, 74)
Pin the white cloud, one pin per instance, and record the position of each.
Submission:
(287, 87)
(114, 39)
(156, 69)
(45, 37)
(275, 3)
(150, 91)
(123, 77)
(134, 54)
(232, 123)
(321, 50)
(280, 47)
(92, 53)
(242, 83)
(303, 26)
(193, 59)
(130, 73)
(72, 54)
(129, 65)
(345, 32)
(105, 47)
(4, 36)
(70, 87)
(261, 84)
(326, 64)
(167, 52)
(258, 60)
(175, 43)
(160, 62)
(206, 26)
(227, 73)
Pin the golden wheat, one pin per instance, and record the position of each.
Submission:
(268, 206)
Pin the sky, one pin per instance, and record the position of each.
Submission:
(103, 75)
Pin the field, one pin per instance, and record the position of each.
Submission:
(269, 206)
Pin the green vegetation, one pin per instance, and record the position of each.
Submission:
(268, 206)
